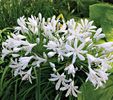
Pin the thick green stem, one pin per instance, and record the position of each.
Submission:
(37, 73)
(15, 90)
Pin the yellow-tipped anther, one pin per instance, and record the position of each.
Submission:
(60, 16)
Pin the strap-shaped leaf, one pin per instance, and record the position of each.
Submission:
(102, 14)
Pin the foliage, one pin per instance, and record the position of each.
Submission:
(102, 14)
(10, 10)
(104, 93)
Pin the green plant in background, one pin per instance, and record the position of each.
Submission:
(99, 94)
(10, 10)
(102, 14)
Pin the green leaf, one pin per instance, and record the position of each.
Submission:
(102, 14)
(104, 93)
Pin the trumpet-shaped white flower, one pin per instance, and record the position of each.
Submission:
(5, 52)
(33, 24)
(57, 47)
(15, 41)
(22, 25)
(105, 65)
(71, 24)
(18, 36)
(97, 77)
(38, 61)
(28, 47)
(23, 61)
(92, 59)
(11, 43)
(27, 75)
(16, 49)
(59, 78)
(76, 51)
(50, 27)
(106, 45)
(86, 26)
(98, 35)
(16, 66)
(71, 89)
(71, 69)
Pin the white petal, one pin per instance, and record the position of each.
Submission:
(75, 43)
(51, 54)
(74, 58)
(68, 47)
(73, 93)
(58, 84)
(53, 79)
(81, 46)
(52, 64)
(69, 54)
(80, 56)
(63, 88)
(68, 92)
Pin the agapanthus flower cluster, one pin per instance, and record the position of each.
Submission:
(70, 42)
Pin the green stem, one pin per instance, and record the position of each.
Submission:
(15, 90)
(38, 97)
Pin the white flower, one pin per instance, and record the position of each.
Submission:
(15, 65)
(86, 26)
(71, 69)
(58, 47)
(76, 51)
(5, 52)
(27, 75)
(50, 27)
(23, 61)
(11, 43)
(38, 61)
(33, 24)
(52, 45)
(22, 25)
(71, 89)
(105, 65)
(98, 35)
(16, 49)
(14, 41)
(75, 33)
(59, 78)
(71, 24)
(18, 36)
(90, 58)
(106, 45)
(97, 77)
(28, 47)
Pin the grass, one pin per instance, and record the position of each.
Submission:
(10, 10)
